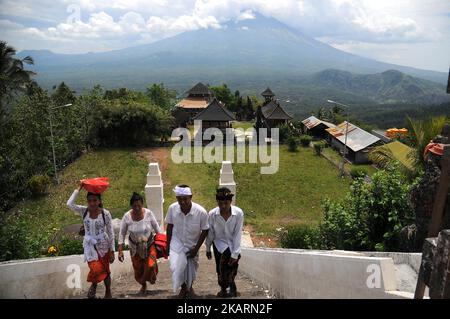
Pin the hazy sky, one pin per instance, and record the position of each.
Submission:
(407, 32)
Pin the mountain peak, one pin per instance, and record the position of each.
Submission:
(258, 21)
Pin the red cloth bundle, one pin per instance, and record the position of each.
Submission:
(96, 185)
(435, 148)
(161, 245)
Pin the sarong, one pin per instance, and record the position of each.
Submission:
(225, 273)
(145, 269)
(184, 270)
(99, 269)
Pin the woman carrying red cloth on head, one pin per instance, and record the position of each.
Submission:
(141, 224)
(98, 243)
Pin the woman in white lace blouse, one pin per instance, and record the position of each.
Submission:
(141, 225)
(98, 242)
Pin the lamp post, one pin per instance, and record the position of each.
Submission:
(51, 133)
(346, 133)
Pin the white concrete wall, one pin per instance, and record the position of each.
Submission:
(412, 259)
(291, 273)
(47, 277)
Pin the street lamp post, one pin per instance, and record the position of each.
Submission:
(53, 142)
(346, 133)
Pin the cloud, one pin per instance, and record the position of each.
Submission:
(94, 25)
(361, 20)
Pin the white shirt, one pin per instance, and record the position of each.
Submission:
(186, 228)
(138, 230)
(225, 234)
(96, 232)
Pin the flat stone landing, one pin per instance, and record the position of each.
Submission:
(206, 287)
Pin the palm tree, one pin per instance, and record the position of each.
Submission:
(382, 156)
(13, 76)
(422, 132)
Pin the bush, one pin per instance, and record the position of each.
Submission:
(301, 237)
(341, 228)
(358, 172)
(284, 133)
(69, 246)
(292, 144)
(305, 140)
(38, 185)
(16, 241)
(131, 124)
(371, 216)
(13, 245)
(318, 147)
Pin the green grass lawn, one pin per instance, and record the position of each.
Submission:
(243, 125)
(44, 217)
(292, 196)
(333, 154)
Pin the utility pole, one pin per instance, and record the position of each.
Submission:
(346, 133)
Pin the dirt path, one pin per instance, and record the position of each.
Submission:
(156, 154)
(125, 287)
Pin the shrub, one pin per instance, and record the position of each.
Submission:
(13, 245)
(340, 228)
(38, 184)
(371, 216)
(69, 246)
(358, 172)
(284, 133)
(318, 147)
(292, 144)
(131, 124)
(301, 237)
(305, 140)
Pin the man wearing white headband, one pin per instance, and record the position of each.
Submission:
(187, 228)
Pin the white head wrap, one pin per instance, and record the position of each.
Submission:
(182, 191)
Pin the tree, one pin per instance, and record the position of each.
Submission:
(130, 124)
(240, 111)
(223, 94)
(13, 80)
(31, 152)
(88, 104)
(161, 96)
(63, 95)
(249, 112)
(67, 125)
(13, 76)
(322, 114)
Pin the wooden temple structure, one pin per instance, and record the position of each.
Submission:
(196, 100)
(271, 114)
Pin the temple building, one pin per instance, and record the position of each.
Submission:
(215, 115)
(196, 100)
(271, 114)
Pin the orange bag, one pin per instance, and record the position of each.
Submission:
(96, 185)
(161, 245)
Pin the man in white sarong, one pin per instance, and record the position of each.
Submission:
(187, 228)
